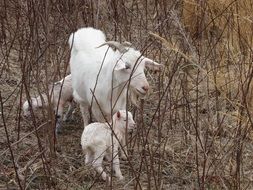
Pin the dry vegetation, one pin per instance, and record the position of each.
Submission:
(195, 127)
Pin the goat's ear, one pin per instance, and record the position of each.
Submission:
(152, 65)
(118, 114)
(120, 65)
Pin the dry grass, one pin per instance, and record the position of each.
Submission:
(194, 128)
(230, 20)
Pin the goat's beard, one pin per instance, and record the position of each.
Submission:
(134, 96)
(138, 94)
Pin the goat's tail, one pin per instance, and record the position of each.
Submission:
(86, 39)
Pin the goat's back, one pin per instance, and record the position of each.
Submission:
(63, 91)
(86, 39)
(95, 134)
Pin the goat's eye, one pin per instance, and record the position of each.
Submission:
(127, 66)
(124, 119)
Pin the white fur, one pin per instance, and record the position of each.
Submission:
(64, 98)
(111, 88)
(99, 141)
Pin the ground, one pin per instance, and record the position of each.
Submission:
(194, 128)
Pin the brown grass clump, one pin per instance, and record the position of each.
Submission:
(230, 19)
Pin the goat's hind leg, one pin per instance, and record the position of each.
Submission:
(116, 164)
(83, 108)
(70, 111)
(85, 113)
(97, 164)
(89, 157)
(58, 128)
(114, 158)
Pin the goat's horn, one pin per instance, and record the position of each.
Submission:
(116, 45)
(127, 44)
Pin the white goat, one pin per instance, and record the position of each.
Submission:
(101, 140)
(57, 100)
(100, 75)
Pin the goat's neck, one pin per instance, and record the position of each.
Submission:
(117, 90)
(118, 130)
(119, 135)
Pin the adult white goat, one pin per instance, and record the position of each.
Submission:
(101, 140)
(100, 75)
(61, 95)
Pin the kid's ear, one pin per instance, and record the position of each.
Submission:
(118, 114)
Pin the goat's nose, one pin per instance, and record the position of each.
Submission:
(145, 88)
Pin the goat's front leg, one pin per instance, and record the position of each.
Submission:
(97, 164)
(116, 163)
(123, 149)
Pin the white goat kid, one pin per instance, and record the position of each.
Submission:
(101, 140)
(100, 75)
(60, 97)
